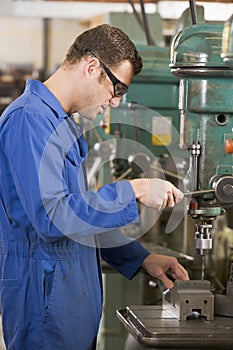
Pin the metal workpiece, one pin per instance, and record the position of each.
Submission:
(188, 298)
(155, 327)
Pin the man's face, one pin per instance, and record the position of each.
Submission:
(102, 92)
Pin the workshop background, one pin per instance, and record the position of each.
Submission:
(176, 123)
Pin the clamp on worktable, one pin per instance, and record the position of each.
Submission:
(188, 299)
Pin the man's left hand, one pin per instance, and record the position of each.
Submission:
(160, 266)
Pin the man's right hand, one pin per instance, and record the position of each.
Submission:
(156, 193)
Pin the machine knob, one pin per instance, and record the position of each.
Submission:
(228, 189)
(224, 189)
(229, 146)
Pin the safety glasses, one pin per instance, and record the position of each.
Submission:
(119, 88)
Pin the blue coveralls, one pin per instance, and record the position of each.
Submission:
(52, 229)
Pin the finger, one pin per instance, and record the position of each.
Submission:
(170, 200)
(167, 282)
(174, 197)
(179, 273)
(165, 201)
(183, 274)
(178, 195)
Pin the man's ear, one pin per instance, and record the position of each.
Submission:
(91, 66)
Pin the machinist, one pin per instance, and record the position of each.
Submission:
(54, 230)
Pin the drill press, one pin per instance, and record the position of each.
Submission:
(205, 106)
(206, 129)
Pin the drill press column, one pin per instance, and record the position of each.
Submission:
(206, 117)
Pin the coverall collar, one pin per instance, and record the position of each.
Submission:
(38, 88)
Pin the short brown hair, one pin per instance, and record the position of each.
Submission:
(110, 44)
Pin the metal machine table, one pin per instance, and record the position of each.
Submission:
(154, 327)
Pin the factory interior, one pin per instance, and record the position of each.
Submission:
(174, 123)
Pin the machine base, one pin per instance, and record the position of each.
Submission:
(154, 327)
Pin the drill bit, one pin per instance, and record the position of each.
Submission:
(203, 267)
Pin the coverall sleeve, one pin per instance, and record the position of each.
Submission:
(126, 259)
(46, 165)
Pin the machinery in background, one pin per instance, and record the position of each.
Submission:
(193, 315)
(12, 82)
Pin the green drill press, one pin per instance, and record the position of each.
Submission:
(206, 130)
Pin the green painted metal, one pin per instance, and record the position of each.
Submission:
(227, 43)
(154, 94)
(129, 24)
(199, 45)
(206, 96)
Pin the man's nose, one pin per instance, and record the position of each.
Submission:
(115, 101)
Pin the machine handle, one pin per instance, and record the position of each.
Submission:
(198, 193)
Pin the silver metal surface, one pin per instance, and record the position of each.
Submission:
(188, 298)
(223, 303)
(154, 327)
(203, 264)
(203, 238)
(195, 152)
(198, 193)
(224, 189)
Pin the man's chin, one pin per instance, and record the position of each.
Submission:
(90, 115)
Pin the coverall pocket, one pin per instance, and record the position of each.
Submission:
(50, 279)
(72, 318)
(10, 301)
(74, 171)
(73, 157)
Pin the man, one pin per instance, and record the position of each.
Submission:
(53, 229)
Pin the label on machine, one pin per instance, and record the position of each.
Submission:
(161, 131)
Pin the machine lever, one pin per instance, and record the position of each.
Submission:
(198, 193)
